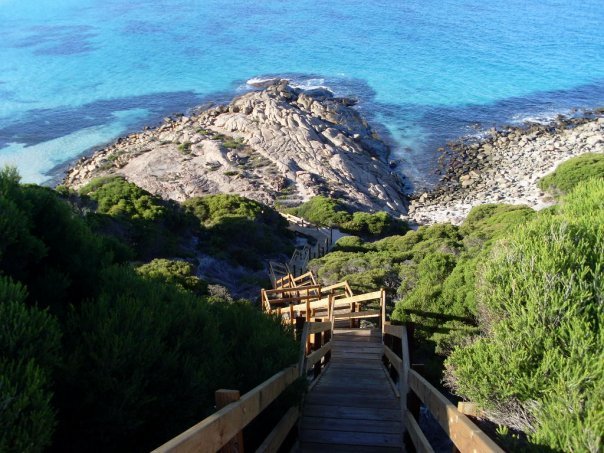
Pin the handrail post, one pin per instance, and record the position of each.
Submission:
(308, 314)
(383, 307)
(222, 398)
(317, 343)
(404, 373)
(303, 349)
(263, 298)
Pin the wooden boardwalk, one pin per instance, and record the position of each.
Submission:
(353, 406)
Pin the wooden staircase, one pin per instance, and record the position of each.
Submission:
(359, 382)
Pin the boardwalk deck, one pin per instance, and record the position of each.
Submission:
(352, 407)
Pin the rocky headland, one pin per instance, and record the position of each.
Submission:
(505, 166)
(279, 144)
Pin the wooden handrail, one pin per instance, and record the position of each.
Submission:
(309, 276)
(344, 284)
(362, 297)
(309, 358)
(289, 290)
(218, 429)
(318, 327)
(466, 436)
(315, 356)
(274, 440)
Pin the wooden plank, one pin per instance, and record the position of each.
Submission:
(338, 424)
(350, 412)
(354, 344)
(418, 438)
(317, 355)
(223, 397)
(349, 339)
(352, 399)
(312, 447)
(269, 292)
(394, 359)
(335, 388)
(466, 436)
(362, 297)
(215, 431)
(363, 354)
(303, 348)
(358, 362)
(274, 440)
(316, 327)
(360, 332)
(287, 300)
(357, 315)
(353, 438)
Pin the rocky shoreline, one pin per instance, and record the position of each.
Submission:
(278, 145)
(505, 166)
(283, 145)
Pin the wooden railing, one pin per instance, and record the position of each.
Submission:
(223, 428)
(294, 296)
(313, 304)
(357, 304)
(464, 434)
(281, 297)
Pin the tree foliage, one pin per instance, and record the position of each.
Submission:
(324, 211)
(539, 363)
(240, 230)
(94, 354)
(177, 273)
(30, 345)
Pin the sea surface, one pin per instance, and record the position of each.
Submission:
(76, 74)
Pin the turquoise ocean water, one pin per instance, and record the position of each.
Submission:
(75, 74)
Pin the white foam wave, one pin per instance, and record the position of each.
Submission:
(260, 82)
(311, 84)
(302, 84)
(545, 117)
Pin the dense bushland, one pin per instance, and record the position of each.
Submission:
(538, 364)
(513, 298)
(96, 353)
(325, 211)
(430, 272)
(153, 227)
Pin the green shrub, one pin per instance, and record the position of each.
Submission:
(233, 143)
(540, 361)
(177, 273)
(572, 172)
(379, 224)
(142, 350)
(323, 211)
(45, 245)
(240, 230)
(349, 244)
(117, 197)
(30, 342)
(150, 226)
(185, 148)
(328, 212)
(133, 348)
